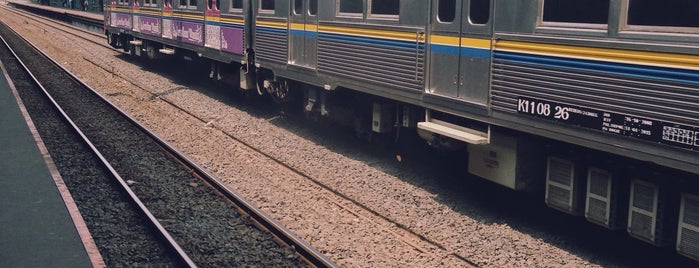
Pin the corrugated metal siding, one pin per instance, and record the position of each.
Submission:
(401, 65)
(672, 98)
(271, 45)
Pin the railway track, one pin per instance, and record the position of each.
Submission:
(344, 201)
(402, 231)
(61, 14)
(63, 27)
(193, 220)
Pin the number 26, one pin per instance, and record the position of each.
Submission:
(561, 113)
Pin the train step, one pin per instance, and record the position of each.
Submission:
(468, 135)
(167, 51)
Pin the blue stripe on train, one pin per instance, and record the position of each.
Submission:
(372, 41)
(636, 70)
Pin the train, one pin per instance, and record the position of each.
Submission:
(595, 103)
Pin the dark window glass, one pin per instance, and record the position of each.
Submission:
(237, 4)
(351, 6)
(447, 10)
(313, 7)
(193, 3)
(298, 6)
(576, 11)
(671, 13)
(211, 4)
(385, 7)
(183, 3)
(267, 4)
(479, 11)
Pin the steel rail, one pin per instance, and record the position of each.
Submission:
(262, 219)
(164, 233)
(28, 14)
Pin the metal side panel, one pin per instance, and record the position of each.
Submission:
(656, 102)
(373, 57)
(271, 42)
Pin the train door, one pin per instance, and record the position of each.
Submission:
(212, 24)
(460, 49)
(303, 33)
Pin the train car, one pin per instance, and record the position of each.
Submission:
(193, 29)
(596, 104)
(616, 77)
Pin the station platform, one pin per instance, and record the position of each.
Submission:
(40, 225)
(94, 14)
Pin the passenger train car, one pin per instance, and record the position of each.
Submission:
(594, 102)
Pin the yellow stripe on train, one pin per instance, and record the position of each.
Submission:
(461, 41)
(604, 54)
(273, 24)
(365, 32)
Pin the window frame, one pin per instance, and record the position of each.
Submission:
(209, 4)
(266, 11)
(231, 7)
(150, 3)
(438, 17)
(661, 30)
(353, 15)
(315, 13)
(370, 15)
(189, 5)
(577, 25)
(293, 7)
(488, 12)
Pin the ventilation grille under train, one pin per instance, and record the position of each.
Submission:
(643, 211)
(688, 230)
(560, 182)
(599, 193)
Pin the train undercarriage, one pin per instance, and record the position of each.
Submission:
(655, 204)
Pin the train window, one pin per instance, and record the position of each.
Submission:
(123, 2)
(267, 6)
(237, 5)
(479, 11)
(312, 7)
(574, 11)
(351, 7)
(150, 3)
(667, 13)
(211, 4)
(188, 4)
(384, 8)
(298, 7)
(446, 10)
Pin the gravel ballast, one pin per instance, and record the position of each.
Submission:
(361, 209)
